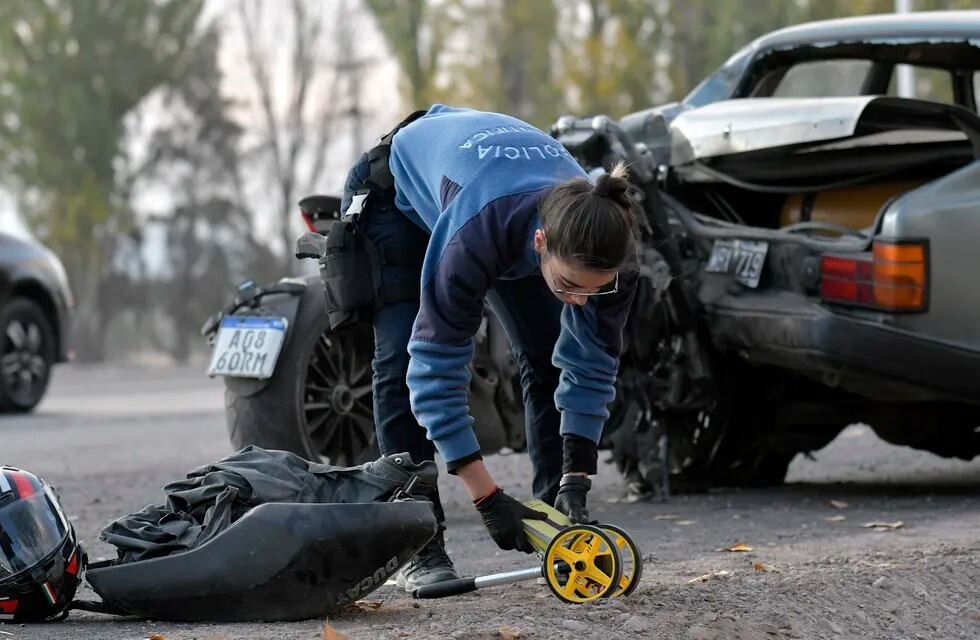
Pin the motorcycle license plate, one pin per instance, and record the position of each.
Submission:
(742, 258)
(247, 346)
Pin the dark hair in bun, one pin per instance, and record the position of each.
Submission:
(590, 223)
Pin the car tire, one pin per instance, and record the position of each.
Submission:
(309, 406)
(745, 449)
(27, 353)
(736, 443)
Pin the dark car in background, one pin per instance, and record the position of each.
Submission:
(35, 304)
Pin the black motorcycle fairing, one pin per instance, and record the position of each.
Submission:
(279, 562)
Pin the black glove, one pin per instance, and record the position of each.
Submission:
(502, 517)
(571, 498)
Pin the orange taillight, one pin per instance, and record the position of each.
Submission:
(905, 252)
(899, 275)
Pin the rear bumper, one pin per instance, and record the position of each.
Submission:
(869, 358)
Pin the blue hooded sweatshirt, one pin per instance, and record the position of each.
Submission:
(473, 180)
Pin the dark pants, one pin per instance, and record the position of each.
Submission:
(527, 310)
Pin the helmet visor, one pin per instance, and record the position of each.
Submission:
(30, 529)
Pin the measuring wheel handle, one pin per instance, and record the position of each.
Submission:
(445, 588)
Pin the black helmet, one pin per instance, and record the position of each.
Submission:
(40, 559)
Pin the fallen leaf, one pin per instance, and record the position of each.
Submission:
(710, 576)
(738, 548)
(368, 605)
(665, 516)
(508, 633)
(836, 504)
(684, 523)
(835, 518)
(884, 526)
(329, 633)
(156, 636)
(768, 568)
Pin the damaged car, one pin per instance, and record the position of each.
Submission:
(808, 246)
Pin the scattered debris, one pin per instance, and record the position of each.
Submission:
(738, 548)
(329, 633)
(574, 625)
(769, 628)
(884, 526)
(836, 504)
(637, 624)
(508, 633)
(367, 605)
(882, 583)
(835, 518)
(665, 516)
(156, 636)
(768, 568)
(716, 575)
(6, 633)
(684, 523)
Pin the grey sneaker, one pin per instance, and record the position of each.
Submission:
(430, 565)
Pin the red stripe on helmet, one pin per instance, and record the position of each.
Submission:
(73, 564)
(25, 488)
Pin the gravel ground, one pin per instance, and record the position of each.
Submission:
(111, 437)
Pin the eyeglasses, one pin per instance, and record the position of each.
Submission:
(601, 292)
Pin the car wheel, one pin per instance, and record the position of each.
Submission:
(735, 443)
(738, 442)
(27, 352)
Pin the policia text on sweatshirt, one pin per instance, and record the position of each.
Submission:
(473, 180)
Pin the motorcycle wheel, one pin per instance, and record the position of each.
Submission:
(318, 403)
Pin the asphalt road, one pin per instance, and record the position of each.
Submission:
(109, 438)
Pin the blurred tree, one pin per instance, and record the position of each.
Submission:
(194, 152)
(540, 59)
(503, 61)
(70, 72)
(302, 95)
(609, 52)
(417, 32)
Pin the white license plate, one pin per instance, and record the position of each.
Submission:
(247, 346)
(742, 258)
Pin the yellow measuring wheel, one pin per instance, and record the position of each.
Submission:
(582, 563)
(631, 558)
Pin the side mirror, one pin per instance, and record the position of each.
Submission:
(311, 245)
